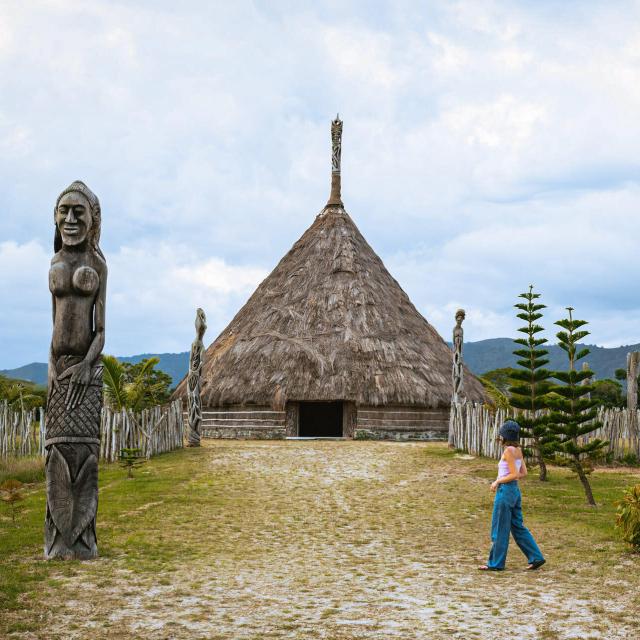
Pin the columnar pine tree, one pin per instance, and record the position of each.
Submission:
(529, 393)
(572, 411)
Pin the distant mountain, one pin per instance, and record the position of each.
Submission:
(175, 364)
(496, 353)
(34, 372)
(480, 356)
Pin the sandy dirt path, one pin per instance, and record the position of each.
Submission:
(339, 540)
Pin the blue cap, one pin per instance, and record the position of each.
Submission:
(510, 430)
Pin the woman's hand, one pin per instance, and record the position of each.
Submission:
(494, 486)
(80, 377)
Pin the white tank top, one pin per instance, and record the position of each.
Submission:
(503, 467)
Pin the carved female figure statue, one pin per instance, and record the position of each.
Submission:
(457, 373)
(196, 362)
(78, 282)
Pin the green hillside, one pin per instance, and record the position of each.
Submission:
(174, 364)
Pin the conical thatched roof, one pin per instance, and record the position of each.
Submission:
(330, 323)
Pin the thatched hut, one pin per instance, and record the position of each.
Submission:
(329, 345)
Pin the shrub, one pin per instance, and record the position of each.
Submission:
(629, 460)
(628, 517)
(11, 496)
(130, 459)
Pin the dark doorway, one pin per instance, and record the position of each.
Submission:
(320, 420)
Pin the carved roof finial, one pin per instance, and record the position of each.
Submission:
(335, 198)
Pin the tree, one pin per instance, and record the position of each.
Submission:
(608, 393)
(572, 410)
(496, 383)
(155, 384)
(532, 382)
(621, 374)
(496, 398)
(11, 495)
(22, 394)
(131, 459)
(501, 379)
(134, 387)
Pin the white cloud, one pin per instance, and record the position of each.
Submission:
(363, 56)
(506, 122)
(155, 288)
(451, 57)
(25, 307)
(152, 294)
(473, 131)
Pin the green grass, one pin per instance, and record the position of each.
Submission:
(133, 537)
(27, 470)
(313, 519)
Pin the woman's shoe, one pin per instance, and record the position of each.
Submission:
(485, 567)
(535, 565)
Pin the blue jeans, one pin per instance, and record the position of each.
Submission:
(507, 518)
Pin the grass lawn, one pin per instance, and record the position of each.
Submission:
(334, 540)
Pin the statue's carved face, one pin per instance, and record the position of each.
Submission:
(73, 218)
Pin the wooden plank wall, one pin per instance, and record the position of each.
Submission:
(475, 430)
(243, 422)
(402, 423)
(155, 430)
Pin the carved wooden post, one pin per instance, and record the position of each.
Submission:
(196, 362)
(633, 360)
(457, 371)
(78, 282)
(335, 199)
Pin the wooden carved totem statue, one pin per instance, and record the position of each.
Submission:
(458, 371)
(193, 381)
(78, 283)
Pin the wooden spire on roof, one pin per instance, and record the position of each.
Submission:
(330, 323)
(335, 199)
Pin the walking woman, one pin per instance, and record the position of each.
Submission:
(507, 506)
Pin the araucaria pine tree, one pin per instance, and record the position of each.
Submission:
(529, 394)
(572, 410)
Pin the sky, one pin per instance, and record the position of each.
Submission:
(487, 146)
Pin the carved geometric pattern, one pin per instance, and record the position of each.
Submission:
(72, 502)
(81, 421)
(193, 392)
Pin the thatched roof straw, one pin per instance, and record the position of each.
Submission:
(330, 323)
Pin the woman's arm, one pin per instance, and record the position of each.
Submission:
(523, 469)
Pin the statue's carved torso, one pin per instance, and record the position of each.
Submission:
(74, 281)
